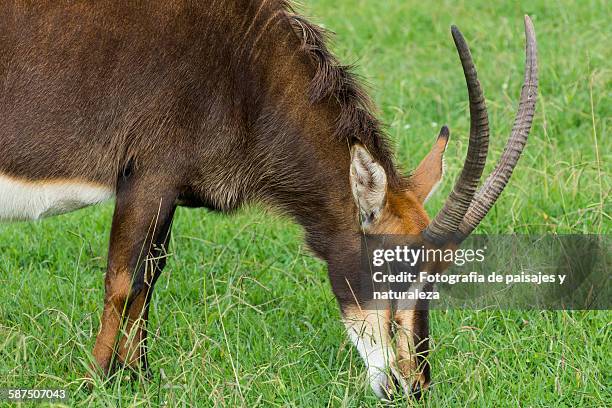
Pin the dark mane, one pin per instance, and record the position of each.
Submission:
(332, 80)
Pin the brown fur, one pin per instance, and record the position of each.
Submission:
(204, 104)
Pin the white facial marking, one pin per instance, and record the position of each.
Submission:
(370, 337)
(30, 200)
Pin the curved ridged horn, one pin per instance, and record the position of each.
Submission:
(498, 179)
(446, 222)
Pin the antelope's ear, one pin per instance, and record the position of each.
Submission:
(428, 174)
(368, 183)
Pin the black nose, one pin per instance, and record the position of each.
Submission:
(392, 387)
(415, 390)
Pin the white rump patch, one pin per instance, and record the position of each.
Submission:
(31, 200)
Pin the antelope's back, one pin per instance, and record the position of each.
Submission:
(85, 85)
(89, 86)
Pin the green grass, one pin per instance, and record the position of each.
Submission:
(244, 316)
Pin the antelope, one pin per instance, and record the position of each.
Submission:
(163, 104)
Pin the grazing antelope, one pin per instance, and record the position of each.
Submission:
(216, 104)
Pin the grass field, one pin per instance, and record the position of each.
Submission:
(243, 316)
